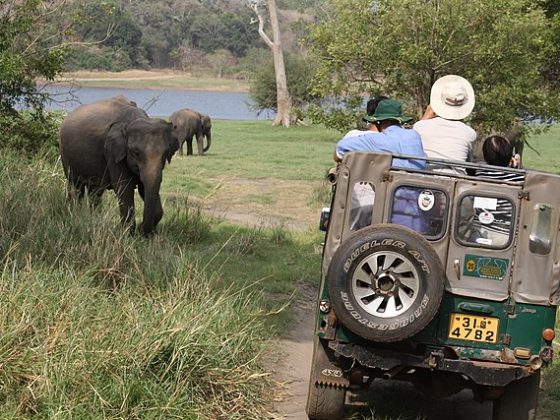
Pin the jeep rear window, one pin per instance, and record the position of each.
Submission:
(485, 221)
(421, 209)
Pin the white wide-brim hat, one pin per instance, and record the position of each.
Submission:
(452, 97)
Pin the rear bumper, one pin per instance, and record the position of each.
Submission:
(480, 372)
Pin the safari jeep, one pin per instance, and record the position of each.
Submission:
(443, 279)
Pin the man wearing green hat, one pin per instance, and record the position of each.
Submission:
(386, 135)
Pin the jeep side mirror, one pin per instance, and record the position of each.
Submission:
(324, 222)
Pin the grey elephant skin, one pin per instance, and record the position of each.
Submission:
(188, 123)
(113, 144)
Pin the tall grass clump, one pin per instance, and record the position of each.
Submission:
(98, 323)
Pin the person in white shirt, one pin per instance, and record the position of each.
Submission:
(444, 135)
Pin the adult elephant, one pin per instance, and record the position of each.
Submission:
(113, 144)
(188, 123)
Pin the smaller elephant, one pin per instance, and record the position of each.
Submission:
(188, 123)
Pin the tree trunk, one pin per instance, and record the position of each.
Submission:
(283, 99)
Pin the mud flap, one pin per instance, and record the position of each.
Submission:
(328, 369)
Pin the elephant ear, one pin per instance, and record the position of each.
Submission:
(172, 141)
(206, 121)
(115, 143)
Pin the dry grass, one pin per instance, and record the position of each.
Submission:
(161, 79)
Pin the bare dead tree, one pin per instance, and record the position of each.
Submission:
(283, 98)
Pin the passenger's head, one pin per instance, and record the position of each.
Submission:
(372, 104)
(388, 112)
(452, 97)
(497, 150)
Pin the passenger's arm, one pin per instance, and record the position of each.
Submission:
(428, 113)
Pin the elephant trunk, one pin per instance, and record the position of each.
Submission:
(153, 211)
(208, 142)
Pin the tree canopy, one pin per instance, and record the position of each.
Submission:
(399, 48)
(25, 53)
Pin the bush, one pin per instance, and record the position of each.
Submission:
(93, 58)
(299, 73)
(30, 132)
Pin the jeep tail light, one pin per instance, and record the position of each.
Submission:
(548, 334)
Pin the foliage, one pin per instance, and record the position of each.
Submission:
(30, 133)
(399, 48)
(253, 61)
(109, 37)
(299, 73)
(222, 62)
(154, 33)
(214, 29)
(299, 4)
(551, 66)
(94, 57)
(24, 54)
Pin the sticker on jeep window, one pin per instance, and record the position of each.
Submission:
(426, 200)
(485, 267)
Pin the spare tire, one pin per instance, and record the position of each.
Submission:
(386, 283)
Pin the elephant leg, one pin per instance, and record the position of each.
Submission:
(200, 144)
(189, 146)
(125, 194)
(181, 147)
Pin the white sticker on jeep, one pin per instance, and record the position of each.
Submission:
(426, 200)
(486, 203)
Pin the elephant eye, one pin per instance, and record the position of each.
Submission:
(135, 154)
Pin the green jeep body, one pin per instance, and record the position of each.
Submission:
(465, 298)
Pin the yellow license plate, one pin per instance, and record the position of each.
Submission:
(473, 328)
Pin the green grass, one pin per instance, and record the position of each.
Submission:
(255, 150)
(542, 151)
(97, 323)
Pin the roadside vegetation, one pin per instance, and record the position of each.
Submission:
(98, 323)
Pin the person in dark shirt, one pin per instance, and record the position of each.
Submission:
(498, 151)
(496, 221)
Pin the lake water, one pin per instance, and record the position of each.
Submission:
(161, 102)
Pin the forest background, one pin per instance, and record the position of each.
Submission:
(336, 52)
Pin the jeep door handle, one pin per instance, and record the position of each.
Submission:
(457, 267)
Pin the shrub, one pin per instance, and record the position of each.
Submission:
(30, 132)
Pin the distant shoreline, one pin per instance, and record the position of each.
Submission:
(149, 79)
